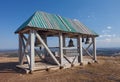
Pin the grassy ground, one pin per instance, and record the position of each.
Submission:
(108, 70)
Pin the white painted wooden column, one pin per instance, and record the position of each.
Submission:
(94, 48)
(20, 49)
(32, 52)
(61, 48)
(80, 57)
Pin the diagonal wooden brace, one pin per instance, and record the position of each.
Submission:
(49, 51)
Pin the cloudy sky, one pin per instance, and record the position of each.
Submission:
(102, 16)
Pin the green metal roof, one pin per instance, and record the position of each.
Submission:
(44, 20)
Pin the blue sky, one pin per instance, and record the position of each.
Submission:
(103, 16)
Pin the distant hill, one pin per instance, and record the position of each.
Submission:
(9, 53)
(100, 52)
(108, 51)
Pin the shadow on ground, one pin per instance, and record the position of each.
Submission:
(8, 67)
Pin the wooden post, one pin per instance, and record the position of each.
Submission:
(64, 44)
(46, 47)
(61, 48)
(32, 55)
(80, 57)
(94, 48)
(20, 49)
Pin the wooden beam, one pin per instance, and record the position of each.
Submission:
(94, 48)
(26, 50)
(89, 45)
(20, 50)
(23, 47)
(64, 44)
(67, 59)
(68, 48)
(51, 54)
(25, 53)
(74, 59)
(32, 52)
(24, 37)
(80, 57)
(87, 52)
(61, 48)
(36, 52)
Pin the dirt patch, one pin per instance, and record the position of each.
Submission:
(106, 71)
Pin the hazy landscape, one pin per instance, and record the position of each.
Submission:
(100, 52)
(106, 70)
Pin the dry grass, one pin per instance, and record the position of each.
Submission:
(106, 71)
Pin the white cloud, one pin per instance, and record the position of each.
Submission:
(114, 35)
(75, 19)
(112, 40)
(88, 16)
(108, 35)
(107, 40)
(105, 31)
(109, 27)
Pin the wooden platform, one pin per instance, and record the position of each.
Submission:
(46, 66)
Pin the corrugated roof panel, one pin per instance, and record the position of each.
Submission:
(76, 27)
(59, 23)
(50, 21)
(47, 21)
(67, 24)
(84, 28)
